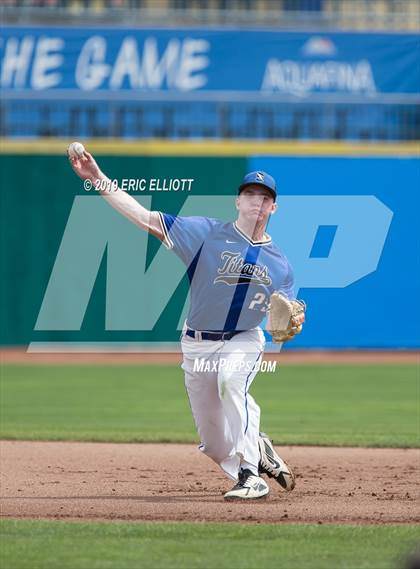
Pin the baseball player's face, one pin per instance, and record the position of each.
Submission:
(255, 203)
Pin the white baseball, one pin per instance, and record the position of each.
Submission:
(76, 149)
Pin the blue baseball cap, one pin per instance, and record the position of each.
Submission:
(262, 179)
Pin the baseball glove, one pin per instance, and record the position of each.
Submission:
(286, 317)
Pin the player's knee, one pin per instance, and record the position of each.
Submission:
(216, 454)
(230, 387)
(225, 389)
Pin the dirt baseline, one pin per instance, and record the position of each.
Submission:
(176, 482)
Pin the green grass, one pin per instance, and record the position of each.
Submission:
(373, 405)
(48, 545)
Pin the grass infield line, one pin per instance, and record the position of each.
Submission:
(78, 354)
(331, 405)
(30, 544)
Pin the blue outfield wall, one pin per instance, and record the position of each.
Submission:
(349, 225)
(345, 204)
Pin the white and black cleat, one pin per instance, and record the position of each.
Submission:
(273, 465)
(248, 487)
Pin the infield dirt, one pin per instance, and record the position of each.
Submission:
(69, 480)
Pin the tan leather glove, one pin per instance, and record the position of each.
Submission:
(286, 317)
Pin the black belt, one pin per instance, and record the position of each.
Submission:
(215, 336)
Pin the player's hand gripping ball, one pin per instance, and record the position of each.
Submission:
(76, 150)
(286, 317)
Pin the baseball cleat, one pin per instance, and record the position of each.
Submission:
(273, 466)
(248, 487)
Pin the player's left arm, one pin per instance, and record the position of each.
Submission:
(296, 308)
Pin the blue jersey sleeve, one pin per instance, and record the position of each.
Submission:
(185, 235)
(288, 287)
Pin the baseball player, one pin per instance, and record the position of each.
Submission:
(233, 268)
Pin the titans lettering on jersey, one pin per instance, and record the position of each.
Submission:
(231, 277)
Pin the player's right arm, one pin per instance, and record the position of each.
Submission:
(86, 168)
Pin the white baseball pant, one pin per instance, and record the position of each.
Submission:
(226, 416)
